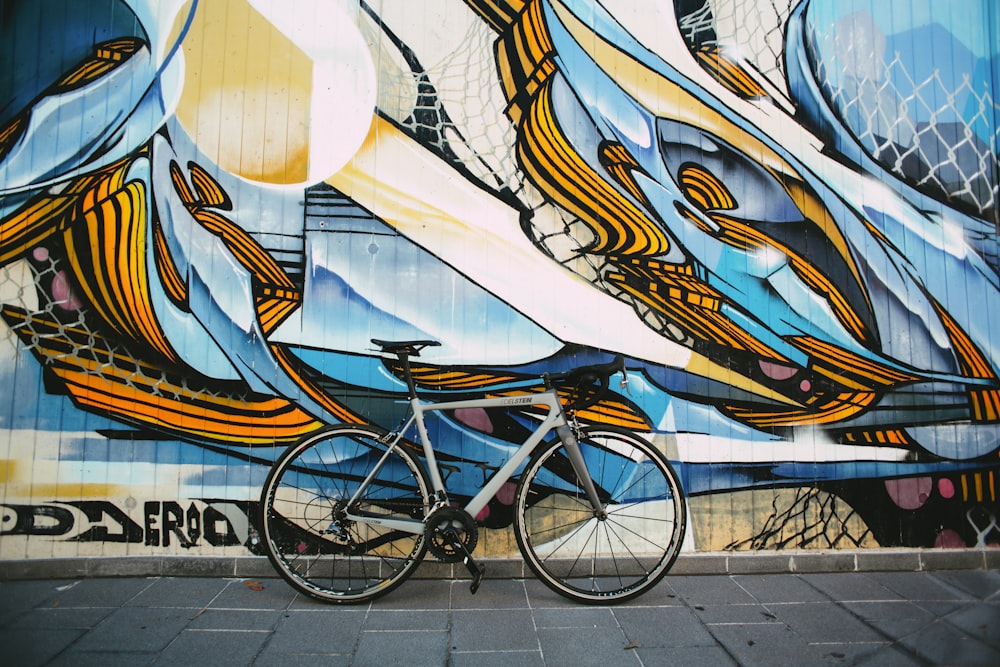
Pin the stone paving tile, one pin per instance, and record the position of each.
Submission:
(748, 614)
(663, 627)
(660, 595)
(493, 630)
(333, 631)
(418, 619)
(696, 590)
(919, 586)
(82, 618)
(99, 592)
(174, 592)
(496, 659)
(979, 621)
(271, 659)
(254, 594)
(886, 656)
(980, 584)
(381, 648)
(779, 588)
(588, 646)
(581, 617)
(541, 596)
(943, 644)
(506, 593)
(853, 586)
(689, 656)
(16, 596)
(110, 658)
(137, 629)
(226, 648)
(418, 594)
(744, 619)
(25, 648)
(824, 622)
(767, 645)
(235, 619)
(894, 619)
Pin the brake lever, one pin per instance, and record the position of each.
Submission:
(623, 385)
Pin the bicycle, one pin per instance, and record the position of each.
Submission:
(599, 514)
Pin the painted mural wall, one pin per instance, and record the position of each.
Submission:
(783, 214)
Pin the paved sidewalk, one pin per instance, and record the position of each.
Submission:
(860, 618)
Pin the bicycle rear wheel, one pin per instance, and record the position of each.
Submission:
(307, 535)
(591, 559)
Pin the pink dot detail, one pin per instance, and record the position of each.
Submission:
(946, 488)
(63, 293)
(483, 513)
(949, 539)
(805, 385)
(505, 496)
(40, 253)
(909, 493)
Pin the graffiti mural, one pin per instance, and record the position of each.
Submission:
(783, 214)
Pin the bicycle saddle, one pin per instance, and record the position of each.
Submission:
(409, 347)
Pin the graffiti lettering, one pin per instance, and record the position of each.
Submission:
(164, 523)
(35, 520)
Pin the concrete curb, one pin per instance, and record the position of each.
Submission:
(881, 560)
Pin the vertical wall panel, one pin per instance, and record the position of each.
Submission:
(782, 214)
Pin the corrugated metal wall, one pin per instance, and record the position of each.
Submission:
(783, 215)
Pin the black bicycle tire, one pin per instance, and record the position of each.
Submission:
(531, 497)
(273, 524)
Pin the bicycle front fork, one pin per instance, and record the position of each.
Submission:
(579, 465)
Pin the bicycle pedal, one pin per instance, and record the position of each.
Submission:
(477, 571)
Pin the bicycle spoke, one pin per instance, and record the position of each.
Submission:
(309, 538)
(606, 558)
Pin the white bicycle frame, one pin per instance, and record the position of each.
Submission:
(555, 419)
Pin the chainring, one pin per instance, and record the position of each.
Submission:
(457, 522)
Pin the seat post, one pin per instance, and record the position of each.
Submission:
(404, 357)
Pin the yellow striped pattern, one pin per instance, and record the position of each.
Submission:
(704, 189)
(620, 164)
(890, 437)
(974, 364)
(275, 296)
(847, 368)
(498, 14)
(741, 235)
(293, 368)
(608, 411)
(107, 251)
(433, 377)
(683, 299)
(10, 133)
(730, 74)
(173, 283)
(524, 60)
(142, 392)
(208, 190)
(107, 56)
(43, 216)
(554, 165)
(821, 409)
(980, 486)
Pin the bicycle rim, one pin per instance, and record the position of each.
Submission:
(593, 560)
(307, 537)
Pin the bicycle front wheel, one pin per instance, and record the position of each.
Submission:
(307, 535)
(600, 559)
